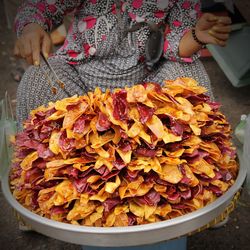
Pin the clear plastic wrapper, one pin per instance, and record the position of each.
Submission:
(242, 132)
(246, 152)
(7, 128)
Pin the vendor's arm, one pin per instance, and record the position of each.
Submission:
(209, 29)
(179, 44)
(34, 19)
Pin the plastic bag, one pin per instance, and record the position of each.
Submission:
(246, 152)
(240, 129)
(242, 132)
(7, 128)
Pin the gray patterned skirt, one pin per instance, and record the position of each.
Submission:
(35, 88)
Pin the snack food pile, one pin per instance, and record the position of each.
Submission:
(133, 156)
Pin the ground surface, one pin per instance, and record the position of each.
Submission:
(234, 235)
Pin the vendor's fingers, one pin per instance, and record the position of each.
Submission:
(21, 49)
(220, 42)
(36, 47)
(46, 45)
(27, 51)
(222, 28)
(29, 59)
(224, 20)
(219, 36)
(210, 17)
(16, 51)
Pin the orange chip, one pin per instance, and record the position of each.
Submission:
(61, 163)
(145, 164)
(28, 160)
(130, 189)
(50, 174)
(120, 209)
(64, 103)
(181, 84)
(67, 190)
(177, 153)
(156, 126)
(73, 114)
(56, 115)
(143, 189)
(98, 141)
(103, 161)
(94, 217)
(135, 129)
(54, 142)
(136, 93)
(121, 220)
(193, 180)
(101, 196)
(126, 156)
(201, 166)
(171, 160)
(149, 211)
(212, 149)
(110, 221)
(185, 105)
(192, 141)
(146, 137)
(159, 97)
(221, 184)
(136, 209)
(103, 153)
(160, 188)
(93, 178)
(163, 210)
(80, 212)
(110, 187)
(195, 129)
(21, 195)
(195, 203)
(170, 137)
(204, 107)
(171, 173)
(84, 199)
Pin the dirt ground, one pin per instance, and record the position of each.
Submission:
(235, 101)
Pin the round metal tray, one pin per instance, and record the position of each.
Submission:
(126, 236)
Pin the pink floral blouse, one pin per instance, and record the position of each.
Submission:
(95, 20)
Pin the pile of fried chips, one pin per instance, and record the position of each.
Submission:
(133, 156)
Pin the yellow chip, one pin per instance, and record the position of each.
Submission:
(156, 126)
(136, 93)
(110, 187)
(28, 160)
(201, 166)
(54, 142)
(73, 114)
(135, 129)
(64, 103)
(171, 173)
(126, 156)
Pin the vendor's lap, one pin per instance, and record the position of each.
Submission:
(35, 89)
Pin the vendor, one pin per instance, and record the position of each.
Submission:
(107, 43)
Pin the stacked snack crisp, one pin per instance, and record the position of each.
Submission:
(133, 156)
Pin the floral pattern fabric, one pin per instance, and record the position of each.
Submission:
(95, 23)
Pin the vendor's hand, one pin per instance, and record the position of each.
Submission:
(33, 41)
(211, 29)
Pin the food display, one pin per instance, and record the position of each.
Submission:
(129, 157)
